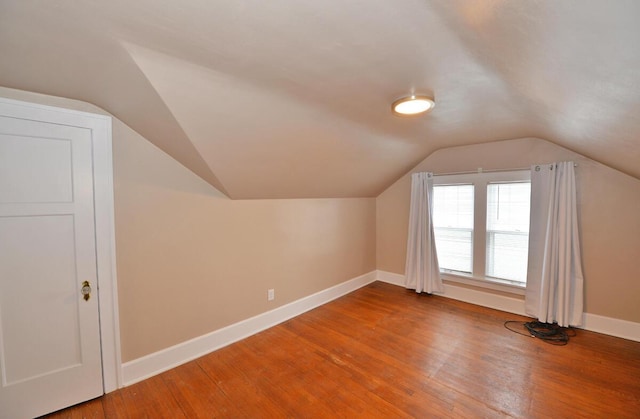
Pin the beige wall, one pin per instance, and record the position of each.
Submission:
(190, 261)
(609, 211)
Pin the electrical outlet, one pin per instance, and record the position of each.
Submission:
(271, 294)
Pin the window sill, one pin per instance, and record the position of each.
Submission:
(492, 284)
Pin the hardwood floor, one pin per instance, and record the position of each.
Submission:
(385, 352)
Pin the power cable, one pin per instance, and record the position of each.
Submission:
(548, 332)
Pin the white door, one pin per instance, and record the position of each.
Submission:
(49, 334)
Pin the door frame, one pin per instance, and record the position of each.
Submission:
(102, 155)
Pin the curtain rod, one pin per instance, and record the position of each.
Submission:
(480, 170)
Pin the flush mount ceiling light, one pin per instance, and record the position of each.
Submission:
(412, 105)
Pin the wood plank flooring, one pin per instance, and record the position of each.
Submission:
(386, 352)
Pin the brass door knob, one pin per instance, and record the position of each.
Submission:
(86, 290)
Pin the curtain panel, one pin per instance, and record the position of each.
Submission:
(422, 271)
(555, 281)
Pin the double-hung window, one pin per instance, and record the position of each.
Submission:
(481, 224)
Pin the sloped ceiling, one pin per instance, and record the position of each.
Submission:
(291, 99)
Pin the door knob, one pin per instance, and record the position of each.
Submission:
(86, 290)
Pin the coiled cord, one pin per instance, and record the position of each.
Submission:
(548, 332)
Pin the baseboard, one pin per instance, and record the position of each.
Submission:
(391, 278)
(613, 327)
(593, 322)
(157, 362)
(485, 299)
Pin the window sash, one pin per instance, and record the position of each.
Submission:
(507, 255)
(453, 226)
(455, 249)
(507, 236)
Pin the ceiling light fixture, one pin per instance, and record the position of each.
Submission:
(412, 105)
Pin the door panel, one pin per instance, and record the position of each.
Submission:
(49, 335)
(46, 177)
(25, 239)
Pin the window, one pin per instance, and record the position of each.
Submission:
(481, 225)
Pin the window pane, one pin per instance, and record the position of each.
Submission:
(453, 206)
(453, 226)
(507, 256)
(454, 248)
(508, 230)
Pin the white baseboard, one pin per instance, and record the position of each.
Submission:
(485, 299)
(593, 322)
(391, 278)
(157, 362)
(613, 327)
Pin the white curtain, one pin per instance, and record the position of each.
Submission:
(554, 279)
(422, 272)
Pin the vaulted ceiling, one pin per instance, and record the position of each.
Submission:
(291, 98)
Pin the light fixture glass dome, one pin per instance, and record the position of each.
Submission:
(412, 105)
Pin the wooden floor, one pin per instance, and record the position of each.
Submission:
(385, 352)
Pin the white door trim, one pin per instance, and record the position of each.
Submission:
(100, 126)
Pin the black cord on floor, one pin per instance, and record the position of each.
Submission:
(548, 332)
